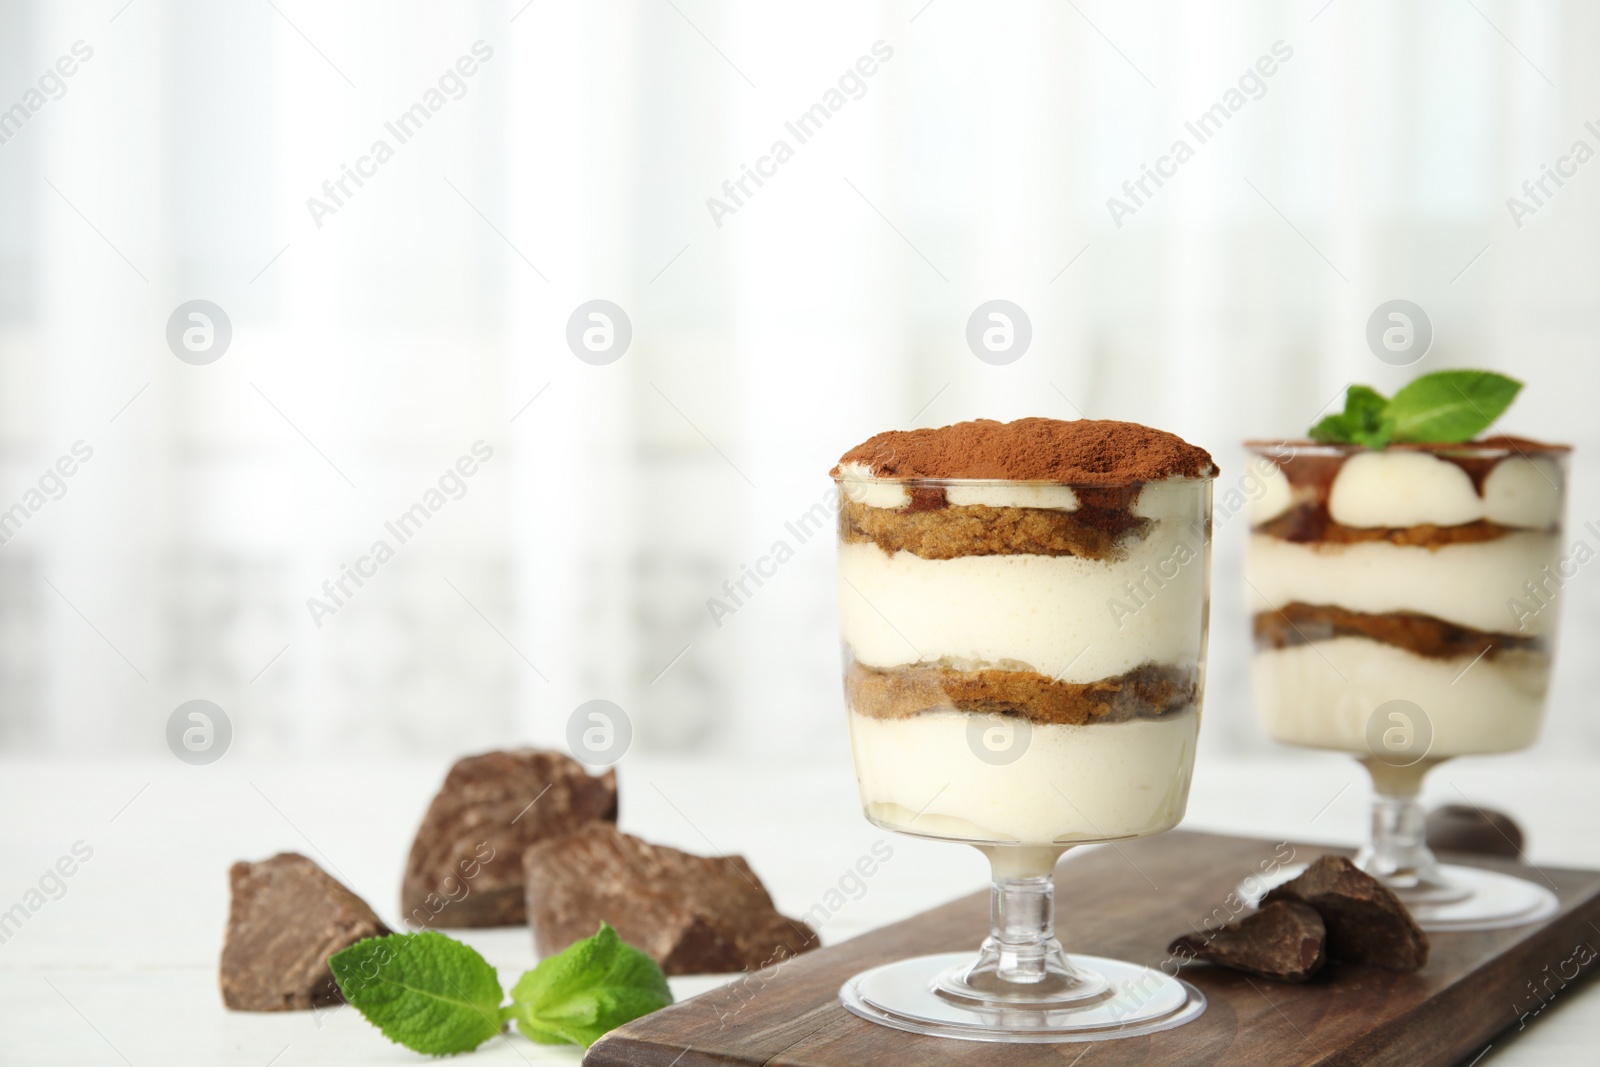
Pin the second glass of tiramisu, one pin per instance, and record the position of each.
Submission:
(1406, 580)
(1023, 610)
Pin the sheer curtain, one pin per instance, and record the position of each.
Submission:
(589, 155)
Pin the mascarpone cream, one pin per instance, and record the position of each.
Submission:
(1071, 783)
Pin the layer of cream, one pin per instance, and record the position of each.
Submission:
(1325, 695)
(1156, 500)
(1402, 488)
(1075, 620)
(925, 775)
(859, 485)
(1467, 584)
(1014, 495)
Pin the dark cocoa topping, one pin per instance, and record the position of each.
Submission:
(1503, 440)
(1084, 452)
(1424, 635)
(1148, 691)
(978, 530)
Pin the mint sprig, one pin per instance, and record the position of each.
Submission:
(594, 986)
(437, 996)
(1446, 407)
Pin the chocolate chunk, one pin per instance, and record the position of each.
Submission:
(465, 867)
(1284, 940)
(287, 917)
(1366, 922)
(693, 914)
(1464, 828)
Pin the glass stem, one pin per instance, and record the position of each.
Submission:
(1022, 927)
(1021, 963)
(1398, 851)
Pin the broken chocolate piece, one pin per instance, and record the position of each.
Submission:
(286, 918)
(693, 914)
(465, 867)
(1466, 828)
(1284, 940)
(1366, 922)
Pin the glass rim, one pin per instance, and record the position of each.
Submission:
(1471, 449)
(1039, 483)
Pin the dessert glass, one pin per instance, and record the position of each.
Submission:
(1023, 665)
(1405, 613)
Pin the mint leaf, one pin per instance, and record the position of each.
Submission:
(1332, 430)
(1365, 403)
(1367, 411)
(595, 985)
(1450, 406)
(425, 991)
(1363, 421)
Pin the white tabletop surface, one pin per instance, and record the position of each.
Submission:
(121, 967)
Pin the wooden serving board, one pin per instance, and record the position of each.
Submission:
(1128, 902)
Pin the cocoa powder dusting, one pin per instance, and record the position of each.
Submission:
(1083, 452)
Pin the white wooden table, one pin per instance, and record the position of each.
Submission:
(119, 967)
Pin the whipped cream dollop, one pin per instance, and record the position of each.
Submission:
(1400, 488)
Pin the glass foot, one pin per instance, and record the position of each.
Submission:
(931, 995)
(1475, 899)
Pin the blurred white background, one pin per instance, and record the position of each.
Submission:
(375, 343)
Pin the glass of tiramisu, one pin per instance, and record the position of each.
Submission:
(1405, 612)
(1023, 609)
